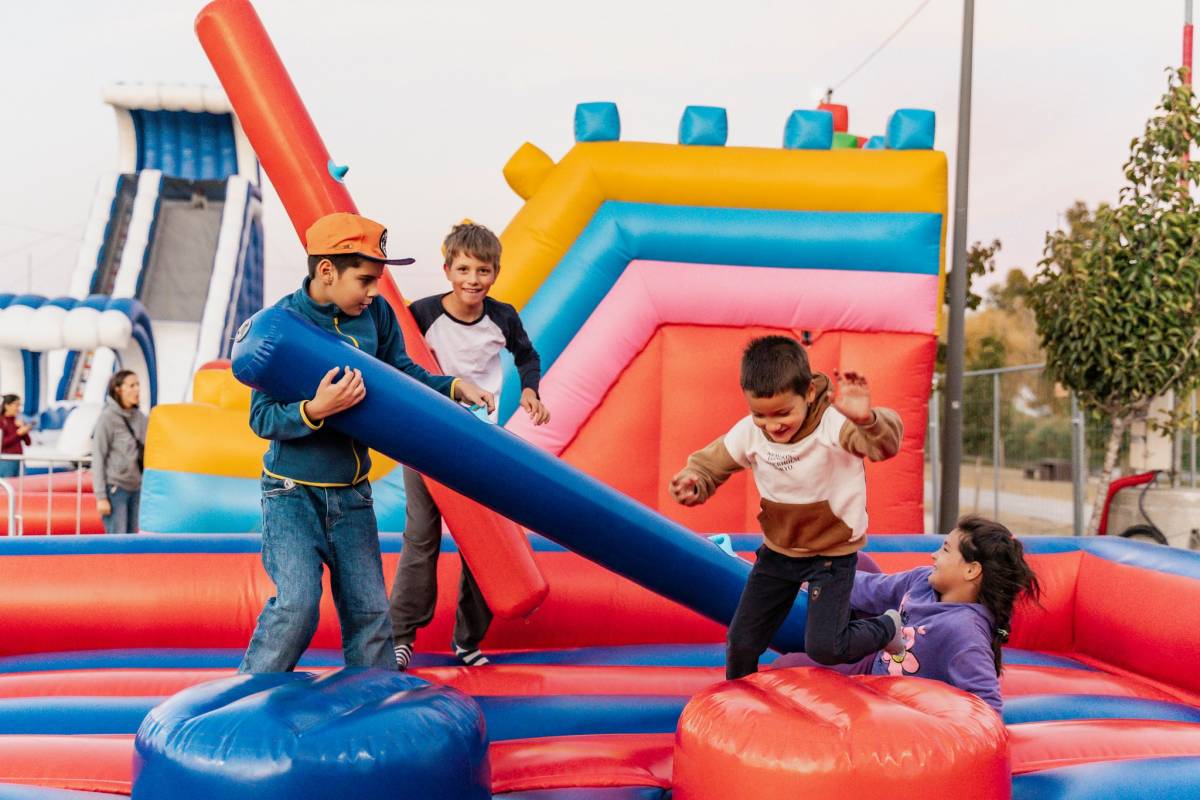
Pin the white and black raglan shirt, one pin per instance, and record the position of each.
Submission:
(471, 350)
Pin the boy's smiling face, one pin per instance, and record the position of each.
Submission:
(470, 280)
(780, 415)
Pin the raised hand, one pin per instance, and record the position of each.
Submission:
(853, 398)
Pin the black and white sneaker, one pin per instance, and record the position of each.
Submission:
(472, 658)
(403, 656)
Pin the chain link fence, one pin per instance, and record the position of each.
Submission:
(1030, 458)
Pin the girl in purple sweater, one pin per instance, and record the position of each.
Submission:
(956, 614)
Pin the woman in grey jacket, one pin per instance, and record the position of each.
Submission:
(120, 439)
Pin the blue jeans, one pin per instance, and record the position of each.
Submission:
(9, 469)
(305, 528)
(125, 506)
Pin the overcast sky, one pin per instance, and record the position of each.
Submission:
(426, 101)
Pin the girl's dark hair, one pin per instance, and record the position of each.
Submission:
(115, 382)
(775, 364)
(1006, 576)
(8, 400)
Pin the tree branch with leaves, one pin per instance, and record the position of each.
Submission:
(1117, 294)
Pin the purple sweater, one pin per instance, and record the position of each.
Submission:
(949, 642)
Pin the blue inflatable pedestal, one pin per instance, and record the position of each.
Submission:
(356, 733)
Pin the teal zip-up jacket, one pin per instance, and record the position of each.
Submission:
(309, 452)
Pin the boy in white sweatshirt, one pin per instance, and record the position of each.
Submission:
(806, 451)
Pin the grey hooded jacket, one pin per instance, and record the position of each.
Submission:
(114, 452)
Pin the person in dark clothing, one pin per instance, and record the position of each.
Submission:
(15, 435)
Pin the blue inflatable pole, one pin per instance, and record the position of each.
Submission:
(280, 353)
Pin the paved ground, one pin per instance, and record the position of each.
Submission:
(1026, 506)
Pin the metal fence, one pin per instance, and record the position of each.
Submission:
(1030, 458)
(1025, 451)
(15, 495)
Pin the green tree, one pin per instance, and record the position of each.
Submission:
(981, 260)
(1116, 294)
(1010, 296)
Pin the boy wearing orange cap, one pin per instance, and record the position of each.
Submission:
(315, 494)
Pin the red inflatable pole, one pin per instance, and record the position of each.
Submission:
(271, 112)
(294, 156)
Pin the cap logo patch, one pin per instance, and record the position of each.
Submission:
(383, 242)
(242, 330)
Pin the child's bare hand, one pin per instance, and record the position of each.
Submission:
(853, 398)
(685, 488)
(534, 407)
(334, 396)
(472, 394)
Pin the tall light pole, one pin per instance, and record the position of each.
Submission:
(952, 415)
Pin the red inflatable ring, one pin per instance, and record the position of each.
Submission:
(816, 734)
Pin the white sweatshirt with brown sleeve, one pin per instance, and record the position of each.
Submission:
(813, 488)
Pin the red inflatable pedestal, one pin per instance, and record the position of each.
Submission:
(816, 734)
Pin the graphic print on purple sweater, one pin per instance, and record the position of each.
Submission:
(949, 642)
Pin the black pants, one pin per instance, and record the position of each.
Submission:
(830, 637)
(414, 591)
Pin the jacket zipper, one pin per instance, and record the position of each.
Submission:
(337, 328)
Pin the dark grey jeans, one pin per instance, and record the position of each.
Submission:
(414, 592)
(830, 636)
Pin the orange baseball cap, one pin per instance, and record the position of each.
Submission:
(345, 234)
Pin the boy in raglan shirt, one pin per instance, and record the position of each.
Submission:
(466, 330)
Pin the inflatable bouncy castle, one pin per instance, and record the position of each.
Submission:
(171, 260)
(639, 292)
(607, 691)
(171, 263)
(203, 464)
(117, 677)
(642, 269)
